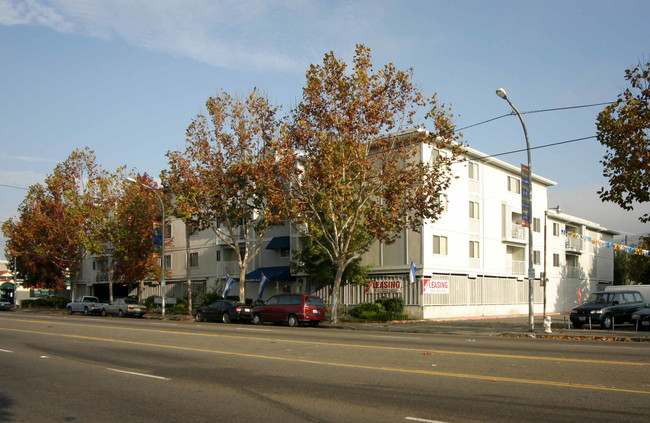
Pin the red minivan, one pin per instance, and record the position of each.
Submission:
(291, 308)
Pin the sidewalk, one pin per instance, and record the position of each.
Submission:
(503, 326)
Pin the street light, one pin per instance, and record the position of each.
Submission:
(162, 261)
(531, 270)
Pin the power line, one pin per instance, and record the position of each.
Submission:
(534, 111)
(14, 187)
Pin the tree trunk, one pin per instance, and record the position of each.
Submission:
(340, 268)
(242, 284)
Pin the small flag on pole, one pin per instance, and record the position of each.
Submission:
(227, 286)
(412, 277)
(263, 283)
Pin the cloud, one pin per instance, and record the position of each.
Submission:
(240, 34)
(33, 12)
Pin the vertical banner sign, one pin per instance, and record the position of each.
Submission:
(526, 192)
(157, 239)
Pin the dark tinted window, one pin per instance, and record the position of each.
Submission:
(286, 300)
(272, 301)
(314, 301)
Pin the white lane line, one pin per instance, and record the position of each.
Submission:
(138, 374)
(6, 351)
(395, 337)
(415, 419)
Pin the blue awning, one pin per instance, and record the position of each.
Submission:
(279, 243)
(8, 285)
(274, 274)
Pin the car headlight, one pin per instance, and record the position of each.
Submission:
(636, 316)
(596, 312)
(574, 311)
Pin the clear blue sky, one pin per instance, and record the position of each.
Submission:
(126, 77)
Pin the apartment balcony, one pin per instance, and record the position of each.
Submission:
(574, 245)
(228, 267)
(573, 272)
(101, 277)
(516, 267)
(515, 233)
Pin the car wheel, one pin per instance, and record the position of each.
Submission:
(607, 322)
(69, 310)
(257, 319)
(104, 314)
(199, 317)
(86, 312)
(292, 321)
(577, 325)
(120, 313)
(225, 317)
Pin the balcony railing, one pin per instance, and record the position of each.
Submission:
(573, 244)
(516, 267)
(517, 231)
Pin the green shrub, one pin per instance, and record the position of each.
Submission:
(364, 308)
(382, 310)
(49, 302)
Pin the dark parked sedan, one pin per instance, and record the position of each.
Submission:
(5, 304)
(642, 318)
(224, 310)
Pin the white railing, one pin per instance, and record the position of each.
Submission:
(516, 267)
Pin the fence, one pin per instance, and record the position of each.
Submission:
(174, 289)
(463, 291)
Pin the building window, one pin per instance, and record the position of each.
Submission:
(537, 224)
(473, 210)
(556, 260)
(168, 261)
(168, 231)
(218, 255)
(556, 229)
(440, 245)
(284, 252)
(514, 185)
(473, 171)
(473, 249)
(537, 257)
(194, 259)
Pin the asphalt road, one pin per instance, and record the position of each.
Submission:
(57, 368)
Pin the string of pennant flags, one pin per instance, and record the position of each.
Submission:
(615, 246)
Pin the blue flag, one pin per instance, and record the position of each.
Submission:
(227, 286)
(412, 277)
(263, 283)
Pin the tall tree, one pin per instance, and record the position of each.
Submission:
(624, 128)
(62, 220)
(230, 176)
(361, 179)
(130, 231)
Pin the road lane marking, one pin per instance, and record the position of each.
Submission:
(294, 360)
(390, 337)
(416, 419)
(255, 330)
(370, 347)
(6, 351)
(138, 374)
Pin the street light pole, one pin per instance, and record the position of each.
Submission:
(531, 270)
(162, 261)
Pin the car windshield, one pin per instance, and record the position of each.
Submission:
(600, 298)
(130, 301)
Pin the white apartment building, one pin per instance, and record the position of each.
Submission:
(472, 261)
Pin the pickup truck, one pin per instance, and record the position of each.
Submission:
(86, 305)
